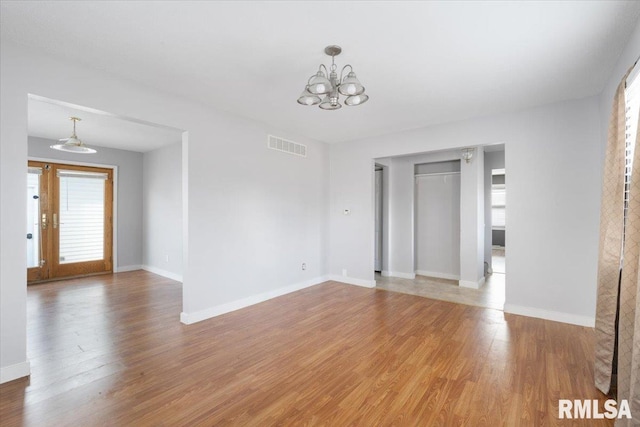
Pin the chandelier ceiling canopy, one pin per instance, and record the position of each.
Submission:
(332, 87)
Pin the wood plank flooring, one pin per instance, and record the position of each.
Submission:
(109, 350)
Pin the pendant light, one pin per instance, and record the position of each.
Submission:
(73, 144)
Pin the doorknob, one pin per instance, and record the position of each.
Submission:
(44, 221)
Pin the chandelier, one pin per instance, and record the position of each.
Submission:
(332, 87)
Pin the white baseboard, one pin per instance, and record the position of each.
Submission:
(353, 281)
(127, 268)
(438, 275)
(385, 273)
(399, 274)
(13, 372)
(471, 284)
(556, 316)
(207, 313)
(161, 272)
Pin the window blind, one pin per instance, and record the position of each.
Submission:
(81, 216)
(498, 205)
(62, 173)
(632, 108)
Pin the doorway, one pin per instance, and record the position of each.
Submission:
(498, 220)
(378, 220)
(69, 220)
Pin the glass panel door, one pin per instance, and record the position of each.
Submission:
(69, 233)
(37, 215)
(34, 248)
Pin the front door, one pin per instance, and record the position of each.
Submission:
(69, 220)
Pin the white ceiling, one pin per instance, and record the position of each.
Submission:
(50, 119)
(422, 62)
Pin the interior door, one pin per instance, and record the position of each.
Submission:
(74, 221)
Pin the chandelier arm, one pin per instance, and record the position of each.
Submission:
(309, 81)
(325, 69)
(342, 72)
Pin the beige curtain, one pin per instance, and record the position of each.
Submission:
(618, 290)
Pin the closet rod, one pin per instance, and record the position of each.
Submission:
(436, 173)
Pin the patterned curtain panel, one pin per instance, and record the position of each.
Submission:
(618, 271)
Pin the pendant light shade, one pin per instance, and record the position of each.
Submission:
(319, 84)
(356, 99)
(351, 85)
(307, 98)
(330, 103)
(73, 144)
(334, 86)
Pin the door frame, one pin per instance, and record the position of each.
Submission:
(114, 168)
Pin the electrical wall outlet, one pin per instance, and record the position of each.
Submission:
(304, 265)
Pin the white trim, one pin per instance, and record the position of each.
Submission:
(13, 372)
(385, 273)
(127, 268)
(471, 284)
(161, 272)
(353, 281)
(207, 313)
(438, 275)
(556, 316)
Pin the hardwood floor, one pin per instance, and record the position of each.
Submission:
(109, 350)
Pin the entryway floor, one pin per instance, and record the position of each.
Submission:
(491, 295)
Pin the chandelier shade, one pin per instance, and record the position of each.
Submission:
(319, 84)
(330, 102)
(333, 86)
(351, 85)
(307, 98)
(356, 99)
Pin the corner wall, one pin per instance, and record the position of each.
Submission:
(251, 216)
(162, 211)
(550, 278)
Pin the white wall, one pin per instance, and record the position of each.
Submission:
(472, 221)
(401, 205)
(129, 193)
(251, 216)
(553, 279)
(437, 222)
(162, 211)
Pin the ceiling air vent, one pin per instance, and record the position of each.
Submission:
(279, 144)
